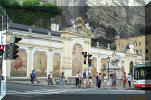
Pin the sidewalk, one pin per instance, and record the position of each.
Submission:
(40, 84)
(119, 87)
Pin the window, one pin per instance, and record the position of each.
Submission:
(139, 43)
(140, 51)
(137, 52)
(146, 51)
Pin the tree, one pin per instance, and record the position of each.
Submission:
(31, 3)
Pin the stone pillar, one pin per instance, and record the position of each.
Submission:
(30, 60)
(67, 57)
(50, 59)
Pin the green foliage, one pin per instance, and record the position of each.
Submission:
(5, 2)
(31, 12)
(31, 3)
(15, 3)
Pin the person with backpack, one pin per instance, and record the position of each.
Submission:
(50, 79)
(33, 76)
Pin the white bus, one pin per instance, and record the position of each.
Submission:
(142, 76)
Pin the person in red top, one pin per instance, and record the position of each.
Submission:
(124, 79)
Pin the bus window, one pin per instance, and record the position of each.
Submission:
(148, 73)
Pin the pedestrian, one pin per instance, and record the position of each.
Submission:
(129, 79)
(80, 79)
(99, 80)
(114, 78)
(84, 78)
(33, 76)
(62, 79)
(50, 79)
(105, 81)
(124, 79)
(77, 79)
(89, 80)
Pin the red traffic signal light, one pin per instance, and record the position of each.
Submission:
(85, 61)
(1, 47)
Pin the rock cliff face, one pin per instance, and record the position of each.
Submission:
(106, 22)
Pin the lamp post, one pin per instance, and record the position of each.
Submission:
(108, 60)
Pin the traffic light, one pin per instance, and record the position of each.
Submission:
(6, 53)
(85, 56)
(89, 60)
(85, 60)
(1, 50)
(14, 48)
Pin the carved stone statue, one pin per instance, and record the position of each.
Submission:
(87, 26)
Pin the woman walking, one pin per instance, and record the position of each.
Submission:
(124, 79)
(89, 80)
(77, 79)
(105, 81)
(129, 79)
(62, 79)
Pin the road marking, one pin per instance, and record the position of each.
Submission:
(45, 91)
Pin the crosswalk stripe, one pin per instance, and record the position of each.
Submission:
(44, 91)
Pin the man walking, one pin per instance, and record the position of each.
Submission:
(129, 79)
(84, 78)
(50, 79)
(33, 76)
(99, 80)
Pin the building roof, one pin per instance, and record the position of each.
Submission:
(37, 30)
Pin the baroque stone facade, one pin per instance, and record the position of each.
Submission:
(63, 53)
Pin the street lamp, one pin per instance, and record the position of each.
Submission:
(108, 60)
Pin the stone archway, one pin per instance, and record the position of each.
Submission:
(94, 67)
(56, 64)
(18, 66)
(77, 59)
(131, 68)
(40, 63)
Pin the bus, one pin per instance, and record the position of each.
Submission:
(142, 75)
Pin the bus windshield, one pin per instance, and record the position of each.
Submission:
(142, 73)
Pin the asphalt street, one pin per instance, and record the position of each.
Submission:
(30, 92)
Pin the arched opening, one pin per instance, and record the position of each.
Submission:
(77, 59)
(19, 65)
(94, 67)
(40, 63)
(56, 64)
(104, 65)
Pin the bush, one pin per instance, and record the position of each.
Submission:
(31, 3)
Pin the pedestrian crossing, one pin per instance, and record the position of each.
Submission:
(45, 91)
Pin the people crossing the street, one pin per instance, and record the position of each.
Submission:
(85, 79)
(99, 80)
(129, 79)
(62, 78)
(50, 80)
(33, 76)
